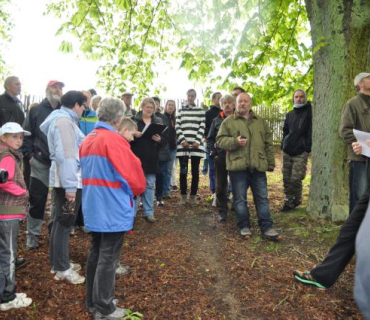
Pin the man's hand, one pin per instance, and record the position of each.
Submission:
(185, 144)
(71, 196)
(242, 141)
(195, 145)
(137, 134)
(156, 138)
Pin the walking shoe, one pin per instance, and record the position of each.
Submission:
(167, 196)
(286, 208)
(183, 199)
(69, 275)
(92, 309)
(150, 219)
(20, 301)
(193, 201)
(20, 262)
(214, 200)
(118, 314)
(222, 216)
(122, 270)
(245, 232)
(305, 277)
(32, 242)
(175, 188)
(272, 235)
(75, 267)
(160, 203)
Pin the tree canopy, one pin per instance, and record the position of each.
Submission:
(263, 45)
(5, 27)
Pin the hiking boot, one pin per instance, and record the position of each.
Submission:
(150, 218)
(286, 208)
(122, 270)
(20, 262)
(305, 277)
(245, 232)
(183, 199)
(32, 242)
(272, 235)
(69, 275)
(193, 201)
(75, 267)
(118, 314)
(21, 301)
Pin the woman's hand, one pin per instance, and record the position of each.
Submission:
(156, 138)
(137, 134)
(357, 148)
(185, 144)
(195, 145)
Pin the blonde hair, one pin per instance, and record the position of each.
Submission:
(147, 100)
(128, 124)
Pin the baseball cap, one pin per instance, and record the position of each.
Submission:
(360, 77)
(13, 127)
(52, 82)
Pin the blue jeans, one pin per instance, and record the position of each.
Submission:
(211, 174)
(159, 179)
(168, 173)
(148, 196)
(241, 180)
(357, 182)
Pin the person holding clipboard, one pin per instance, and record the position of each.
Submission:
(146, 147)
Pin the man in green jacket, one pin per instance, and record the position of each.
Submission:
(356, 115)
(249, 154)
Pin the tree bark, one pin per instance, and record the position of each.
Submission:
(343, 29)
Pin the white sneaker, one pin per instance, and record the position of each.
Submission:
(118, 314)
(70, 275)
(20, 301)
(214, 200)
(75, 267)
(122, 270)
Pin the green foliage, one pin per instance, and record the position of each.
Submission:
(5, 27)
(259, 44)
(133, 315)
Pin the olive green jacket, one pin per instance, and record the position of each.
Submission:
(355, 115)
(257, 153)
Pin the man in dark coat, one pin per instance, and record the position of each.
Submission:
(10, 106)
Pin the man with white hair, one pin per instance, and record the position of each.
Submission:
(35, 148)
(10, 105)
(356, 115)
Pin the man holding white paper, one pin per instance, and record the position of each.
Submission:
(356, 115)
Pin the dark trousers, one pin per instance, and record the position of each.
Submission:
(38, 196)
(159, 179)
(221, 184)
(64, 220)
(184, 163)
(358, 180)
(343, 250)
(103, 257)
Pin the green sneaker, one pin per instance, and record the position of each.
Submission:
(305, 277)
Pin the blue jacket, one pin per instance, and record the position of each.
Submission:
(111, 177)
(64, 138)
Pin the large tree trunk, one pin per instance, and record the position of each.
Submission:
(343, 29)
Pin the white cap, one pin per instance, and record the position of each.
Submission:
(360, 76)
(13, 127)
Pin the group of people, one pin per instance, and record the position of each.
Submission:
(101, 163)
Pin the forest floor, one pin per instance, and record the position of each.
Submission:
(190, 266)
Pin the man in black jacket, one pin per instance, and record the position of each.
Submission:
(10, 105)
(35, 148)
(296, 147)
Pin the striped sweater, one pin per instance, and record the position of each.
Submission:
(190, 125)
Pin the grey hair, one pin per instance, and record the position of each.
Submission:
(10, 80)
(301, 90)
(111, 110)
(227, 97)
(94, 99)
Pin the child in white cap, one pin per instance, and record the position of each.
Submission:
(13, 202)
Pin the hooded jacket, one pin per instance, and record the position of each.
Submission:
(10, 109)
(64, 138)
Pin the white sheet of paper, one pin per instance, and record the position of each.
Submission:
(146, 127)
(361, 137)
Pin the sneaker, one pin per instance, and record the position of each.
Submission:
(183, 200)
(32, 242)
(118, 314)
(160, 203)
(193, 201)
(20, 301)
(150, 219)
(286, 208)
(214, 200)
(69, 275)
(305, 277)
(245, 232)
(122, 270)
(92, 309)
(75, 267)
(272, 234)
